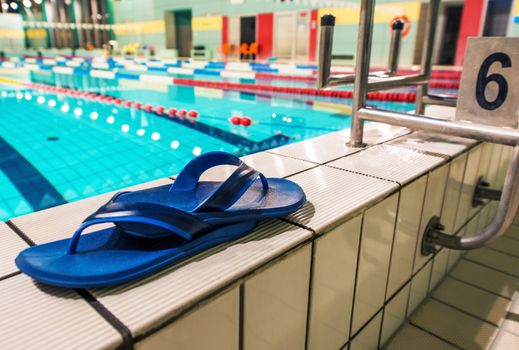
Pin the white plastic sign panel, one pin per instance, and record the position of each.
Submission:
(489, 90)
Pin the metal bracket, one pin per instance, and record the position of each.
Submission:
(430, 235)
(482, 192)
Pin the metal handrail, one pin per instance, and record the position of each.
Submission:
(364, 82)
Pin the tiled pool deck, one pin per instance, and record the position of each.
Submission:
(344, 271)
(475, 307)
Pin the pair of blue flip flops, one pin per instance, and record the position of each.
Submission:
(157, 227)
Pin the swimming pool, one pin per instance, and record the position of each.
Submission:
(58, 148)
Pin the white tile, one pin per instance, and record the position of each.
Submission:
(10, 245)
(60, 222)
(439, 267)
(513, 231)
(510, 321)
(506, 341)
(333, 282)
(472, 300)
(212, 326)
(395, 313)
(453, 192)
(434, 143)
(271, 165)
(375, 250)
(486, 278)
(375, 133)
(493, 167)
(468, 186)
(389, 162)
(37, 316)
(368, 338)
(410, 338)
(331, 146)
(146, 303)
(494, 259)
(454, 326)
(484, 162)
(335, 195)
(506, 245)
(434, 194)
(419, 288)
(504, 162)
(454, 254)
(319, 150)
(275, 304)
(406, 234)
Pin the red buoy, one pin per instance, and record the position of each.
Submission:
(137, 105)
(118, 101)
(127, 103)
(245, 121)
(192, 114)
(159, 110)
(148, 108)
(235, 120)
(172, 112)
(181, 112)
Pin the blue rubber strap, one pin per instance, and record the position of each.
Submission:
(229, 191)
(188, 178)
(232, 189)
(172, 220)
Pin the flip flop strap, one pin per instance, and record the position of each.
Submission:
(229, 191)
(172, 220)
(232, 189)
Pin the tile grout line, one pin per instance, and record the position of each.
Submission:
(221, 290)
(432, 297)
(310, 291)
(359, 249)
(478, 287)
(241, 316)
(502, 252)
(395, 224)
(466, 257)
(108, 316)
(434, 335)
(20, 233)
(9, 275)
(511, 237)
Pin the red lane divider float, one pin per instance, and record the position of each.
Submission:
(159, 110)
(375, 96)
(238, 120)
(438, 74)
(380, 96)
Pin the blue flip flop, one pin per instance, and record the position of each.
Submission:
(150, 235)
(246, 195)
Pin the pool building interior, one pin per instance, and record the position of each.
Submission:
(408, 238)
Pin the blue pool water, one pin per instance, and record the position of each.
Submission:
(56, 149)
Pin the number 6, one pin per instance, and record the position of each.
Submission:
(484, 80)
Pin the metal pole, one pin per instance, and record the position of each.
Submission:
(450, 127)
(428, 46)
(394, 47)
(360, 87)
(325, 50)
(505, 215)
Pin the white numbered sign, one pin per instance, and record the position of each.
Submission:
(489, 90)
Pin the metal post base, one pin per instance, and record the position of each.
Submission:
(482, 192)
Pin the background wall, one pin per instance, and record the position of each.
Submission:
(11, 32)
(208, 19)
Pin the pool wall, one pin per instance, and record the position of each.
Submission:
(345, 269)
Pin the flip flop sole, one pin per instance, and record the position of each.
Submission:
(109, 257)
